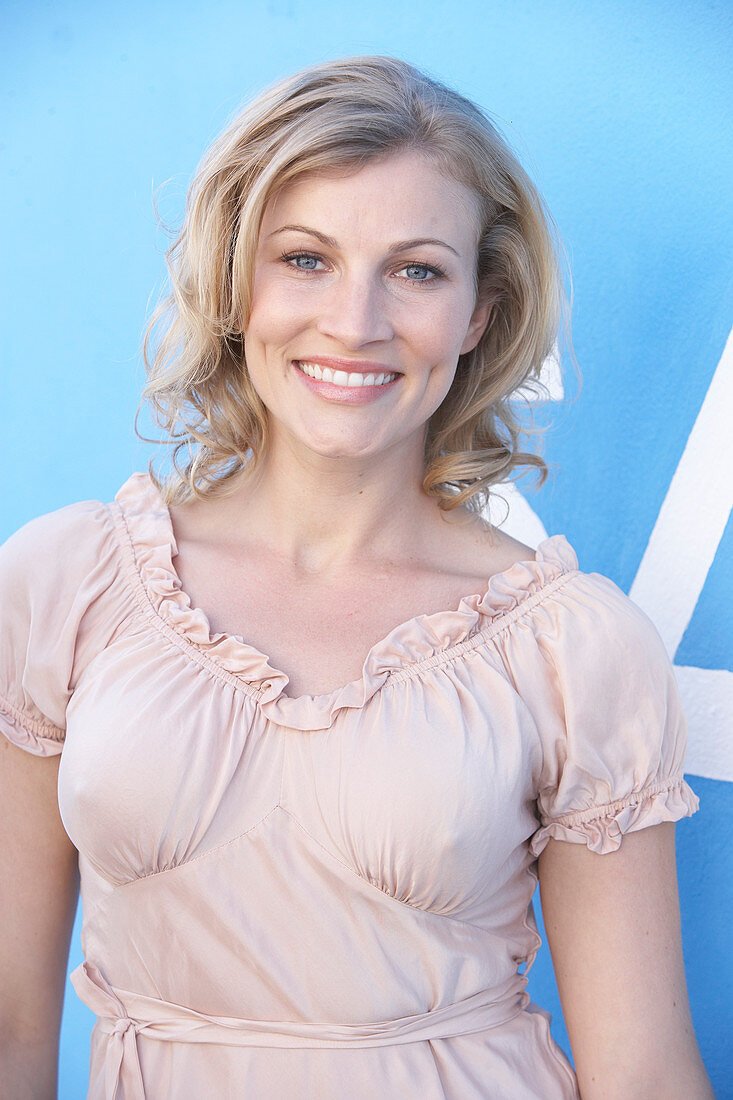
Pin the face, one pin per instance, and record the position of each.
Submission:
(363, 299)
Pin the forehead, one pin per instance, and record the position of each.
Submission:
(403, 195)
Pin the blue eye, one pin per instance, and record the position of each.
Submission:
(422, 273)
(414, 271)
(309, 260)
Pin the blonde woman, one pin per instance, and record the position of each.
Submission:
(320, 725)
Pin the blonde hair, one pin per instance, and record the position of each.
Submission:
(341, 114)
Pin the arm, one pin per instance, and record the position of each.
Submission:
(38, 896)
(613, 927)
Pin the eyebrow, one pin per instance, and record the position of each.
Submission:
(400, 246)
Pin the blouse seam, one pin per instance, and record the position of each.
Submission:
(202, 855)
(367, 882)
(595, 813)
(482, 637)
(31, 725)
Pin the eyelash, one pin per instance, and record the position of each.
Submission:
(434, 269)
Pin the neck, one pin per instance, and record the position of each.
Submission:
(327, 514)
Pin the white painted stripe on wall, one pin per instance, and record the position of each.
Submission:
(707, 698)
(693, 515)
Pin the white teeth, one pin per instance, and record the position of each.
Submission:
(341, 378)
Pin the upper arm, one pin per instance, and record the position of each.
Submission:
(613, 927)
(611, 732)
(52, 573)
(39, 875)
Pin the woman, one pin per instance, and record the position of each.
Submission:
(322, 725)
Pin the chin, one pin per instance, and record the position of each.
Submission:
(341, 450)
(340, 447)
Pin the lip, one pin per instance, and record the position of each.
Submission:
(346, 395)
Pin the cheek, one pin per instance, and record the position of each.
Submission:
(274, 312)
(441, 334)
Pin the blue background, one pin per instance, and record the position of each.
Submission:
(620, 111)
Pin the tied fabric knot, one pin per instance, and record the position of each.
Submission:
(121, 1025)
(123, 1063)
(122, 1074)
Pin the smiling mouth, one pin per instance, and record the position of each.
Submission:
(347, 379)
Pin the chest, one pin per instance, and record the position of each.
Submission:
(425, 791)
(317, 632)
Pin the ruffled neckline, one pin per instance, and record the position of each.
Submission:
(150, 529)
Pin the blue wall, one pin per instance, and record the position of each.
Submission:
(618, 110)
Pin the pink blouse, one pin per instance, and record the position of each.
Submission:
(330, 895)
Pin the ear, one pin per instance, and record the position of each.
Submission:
(477, 326)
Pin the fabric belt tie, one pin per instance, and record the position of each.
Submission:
(124, 1015)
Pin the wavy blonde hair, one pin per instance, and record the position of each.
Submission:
(339, 115)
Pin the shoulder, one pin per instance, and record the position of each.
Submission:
(64, 543)
(551, 618)
(591, 646)
(62, 523)
(475, 548)
(507, 551)
(591, 607)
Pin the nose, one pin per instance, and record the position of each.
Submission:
(354, 311)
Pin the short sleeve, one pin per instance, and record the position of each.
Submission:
(612, 731)
(54, 573)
